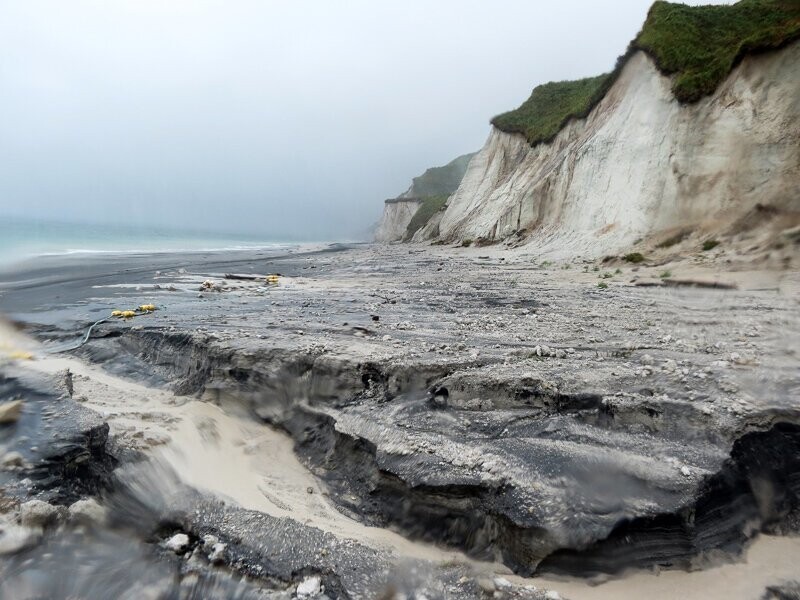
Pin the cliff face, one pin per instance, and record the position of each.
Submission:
(433, 183)
(639, 163)
(397, 214)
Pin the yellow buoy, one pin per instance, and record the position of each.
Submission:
(116, 313)
(128, 314)
(20, 355)
(147, 307)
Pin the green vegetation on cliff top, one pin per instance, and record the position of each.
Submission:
(698, 45)
(429, 207)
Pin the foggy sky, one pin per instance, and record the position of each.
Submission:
(298, 117)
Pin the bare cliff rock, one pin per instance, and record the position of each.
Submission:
(640, 163)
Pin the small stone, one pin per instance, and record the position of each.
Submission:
(502, 583)
(12, 460)
(36, 513)
(10, 412)
(647, 360)
(552, 595)
(486, 585)
(685, 471)
(178, 543)
(217, 554)
(309, 587)
(309, 490)
(14, 538)
(88, 511)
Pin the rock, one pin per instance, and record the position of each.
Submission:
(309, 587)
(670, 366)
(12, 460)
(217, 553)
(36, 513)
(14, 538)
(552, 595)
(501, 583)
(178, 543)
(88, 511)
(10, 412)
(647, 360)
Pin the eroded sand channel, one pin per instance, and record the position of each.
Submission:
(254, 466)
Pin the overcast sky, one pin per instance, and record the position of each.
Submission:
(297, 116)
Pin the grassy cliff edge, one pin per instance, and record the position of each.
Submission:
(698, 45)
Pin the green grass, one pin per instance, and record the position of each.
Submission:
(710, 245)
(602, 285)
(429, 207)
(634, 257)
(699, 45)
(666, 274)
(551, 105)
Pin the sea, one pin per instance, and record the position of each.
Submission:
(21, 239)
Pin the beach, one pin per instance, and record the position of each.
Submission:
(438, 407)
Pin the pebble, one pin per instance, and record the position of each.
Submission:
(88, 511)
(309, 587)
(12, 460)
(177, 543)
(217, 553)
(37, 513)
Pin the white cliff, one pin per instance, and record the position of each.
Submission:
(641, 162)
(397, 215)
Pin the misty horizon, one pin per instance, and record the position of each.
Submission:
(255, 118)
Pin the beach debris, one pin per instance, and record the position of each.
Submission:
(10, 412)
(273, 279)
(129, 314)
(243, 277)
(210, 286)
(20, 355)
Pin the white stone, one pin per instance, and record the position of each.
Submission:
(177, 543)
(88, 511)
(309, 587)
(217, 553)
(36, 513)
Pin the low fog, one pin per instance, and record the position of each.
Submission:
(293, 118)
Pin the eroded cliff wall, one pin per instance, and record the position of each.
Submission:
(639, 163)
